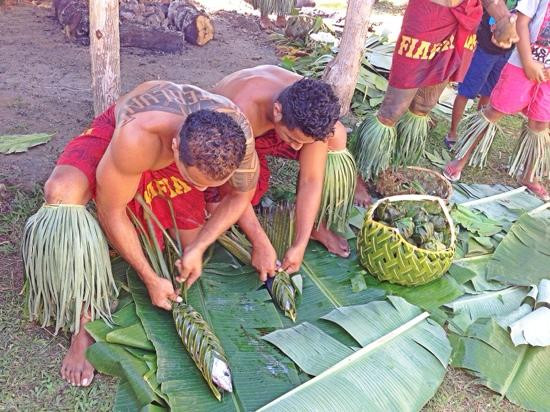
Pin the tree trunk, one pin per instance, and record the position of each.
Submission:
(343, 71)
(105, 53)
(195, 24)
(135, 35)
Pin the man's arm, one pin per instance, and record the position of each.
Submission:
(229, 210)
(118, 176)
(313, 158)
(504, 30)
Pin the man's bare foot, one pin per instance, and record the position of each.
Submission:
(266, 23)
(362, 197)
(75, 369)
(538, 189)
(334, 243)
(280, 22)
(453, 170)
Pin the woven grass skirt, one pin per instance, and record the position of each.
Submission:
(389, 257)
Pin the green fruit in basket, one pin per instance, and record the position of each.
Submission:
(434, 245)
(423, 232)
(405, 226)
(439, 222)
(421, 217)
(388, 213)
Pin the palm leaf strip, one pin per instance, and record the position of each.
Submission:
(199, 340)
(412, 133)
(67, 267)
(476, 133)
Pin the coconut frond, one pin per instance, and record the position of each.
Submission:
(338, 190)
(278, 224)
(412, 132)
(280, 287)
(531, 155)
(67, 267)
(282, 290)
(198, 339)
(374, 148)
(475, 127)
(203, 346)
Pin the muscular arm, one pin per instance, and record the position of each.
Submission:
(118, 176)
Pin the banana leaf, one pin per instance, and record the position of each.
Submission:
(17, 143)
(400, 366)
(475, 222)
(471, 273)
(469, 308)
(523, 256)
(520, 373)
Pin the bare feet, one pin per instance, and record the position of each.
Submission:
(334, 243)
(362, 197)
(280, 22)
(453, 169)
(75, 369)
(266, 24)
(538, 189)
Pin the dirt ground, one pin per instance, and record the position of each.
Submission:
(45, 79)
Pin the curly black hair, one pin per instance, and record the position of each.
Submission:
(212, 142)
(311, 106)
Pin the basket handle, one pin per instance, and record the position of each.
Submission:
(400, 198)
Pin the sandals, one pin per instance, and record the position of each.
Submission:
(451, 178)
(539, 191)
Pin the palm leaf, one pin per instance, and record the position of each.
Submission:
(520, 373)
(400, 366)
(17, 143)
(522, 258)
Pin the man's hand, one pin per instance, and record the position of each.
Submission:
(293, 259)
(162, 293)
(189, 266)
(504, 32)
(536, 72)
(264, 260)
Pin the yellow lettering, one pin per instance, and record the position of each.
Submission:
(422, 51)
(164, 187)
(180, 185)
(435, 49)
(413, 45)
(405, 43)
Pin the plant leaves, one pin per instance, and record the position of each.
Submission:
(520, 373)
(523, 256)
(475, 221)
(400, 367)
(17, 143)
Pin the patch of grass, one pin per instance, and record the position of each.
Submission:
(461, 393)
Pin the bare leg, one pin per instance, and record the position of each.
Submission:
(426, 98)
(304, 3)
(535, 185)
(483, 101)
(280, 22)
(68, 185)
(362, 197)
(458, 110)
(265, 23)
(75, 369)
(454, 168)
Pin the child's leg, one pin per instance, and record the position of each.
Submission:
(458, 110)
(533, 152)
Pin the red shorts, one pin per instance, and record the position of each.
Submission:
(85, 151)
(514, 92)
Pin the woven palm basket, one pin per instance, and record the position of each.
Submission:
(388, 256)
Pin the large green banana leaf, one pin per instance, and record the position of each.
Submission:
(472, 274)
(468, 308)
(521, 373)
(399, 368)
(17, 143)
(523, 256)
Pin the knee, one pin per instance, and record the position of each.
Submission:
(537, 126)
(421, 106)
(64, 190)
(492, 114)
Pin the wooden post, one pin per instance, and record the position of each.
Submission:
(343, 71)
(105, 53)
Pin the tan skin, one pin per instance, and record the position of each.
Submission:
(534, 71)
(255, 91)
(147, 140)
